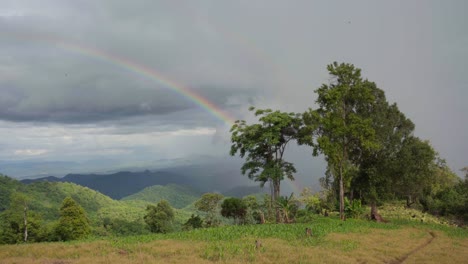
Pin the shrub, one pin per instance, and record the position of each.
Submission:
(193, 222)
(353, 209)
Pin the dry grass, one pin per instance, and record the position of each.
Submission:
(161, 251)
(375, 246)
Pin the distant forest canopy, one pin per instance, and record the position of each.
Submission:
(373, 159)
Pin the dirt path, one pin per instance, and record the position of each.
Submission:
(402, 259)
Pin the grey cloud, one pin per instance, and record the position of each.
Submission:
(66, 87)
(235, 54)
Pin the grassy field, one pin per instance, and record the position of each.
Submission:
(332, 241)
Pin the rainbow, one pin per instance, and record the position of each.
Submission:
(295, 187)
(150, 73)
(136, 68)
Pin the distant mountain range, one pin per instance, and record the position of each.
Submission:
(120, 184)
(216, 177)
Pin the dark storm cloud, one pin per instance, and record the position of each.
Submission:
(234, 53)
(61, 85)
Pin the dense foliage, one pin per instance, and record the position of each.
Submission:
(178, 196)
(160, 217)
(7, 187)
(342, 132)
(234, 208)
(106, 216)
(193, 222)
(19, 223)
(209, 204)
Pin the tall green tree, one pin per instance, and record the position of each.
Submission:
(160, 217)
(378, 166)
(342, 133)
(209, 204)
(263, 145)
(73, 222)
(416, 174)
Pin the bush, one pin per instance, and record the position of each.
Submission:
(353, 209)
(193, 222)
(122, 227)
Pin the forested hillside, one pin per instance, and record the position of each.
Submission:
(43, 200)
(177, 196)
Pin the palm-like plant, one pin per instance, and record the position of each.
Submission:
(288, 207)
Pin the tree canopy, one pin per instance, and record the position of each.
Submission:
(160, 217)
(263, 145)
(342, 132)
(234, 208)
(209, 203)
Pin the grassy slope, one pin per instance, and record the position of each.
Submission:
(178, 196)
(333, 241)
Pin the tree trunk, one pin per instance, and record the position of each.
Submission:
(272, 199)
(341, 194)
(343, 159)
(375, 214)
(284, 216)
(25, 218)
(276, 187)
(409, 201)
(262, 217)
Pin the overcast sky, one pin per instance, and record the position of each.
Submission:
(60, 103)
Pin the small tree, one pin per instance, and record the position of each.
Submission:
(234, 208)
(264, 145)
(288, 207)
(160, 217)
(254, 214)
(209, 203)
(73, 222)
(312, 201)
